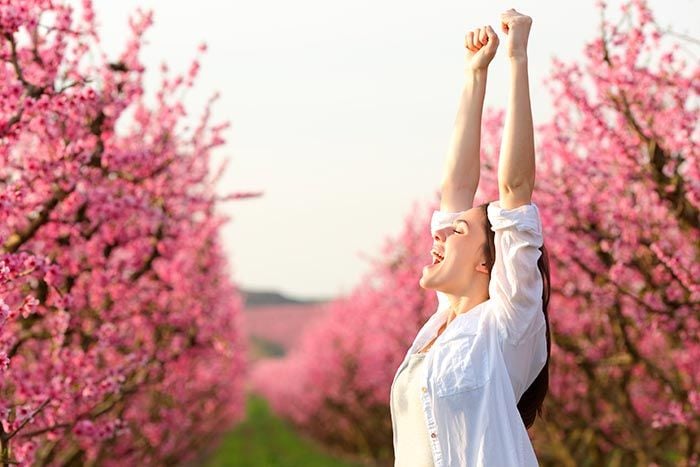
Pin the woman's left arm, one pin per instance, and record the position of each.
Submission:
(516, 161)
(516, 284)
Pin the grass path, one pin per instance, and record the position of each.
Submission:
(265, 440)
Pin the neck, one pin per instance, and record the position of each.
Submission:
(464, 303)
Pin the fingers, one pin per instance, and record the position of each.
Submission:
(510, 16)
(506, 18)
(472, 40)
(469, 41)
(479, 37)
(483, 37)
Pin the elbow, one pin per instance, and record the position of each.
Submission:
(516, 187)
(518, 184)
(517, 177)
(514, 196)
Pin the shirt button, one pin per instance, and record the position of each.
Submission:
(433, 435)
(424, 389)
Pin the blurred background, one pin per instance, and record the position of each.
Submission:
(216, 214)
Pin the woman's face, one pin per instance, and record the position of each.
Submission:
(461, 247)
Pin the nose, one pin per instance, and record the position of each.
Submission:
(442, 234)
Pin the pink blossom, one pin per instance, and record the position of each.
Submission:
(116, 306)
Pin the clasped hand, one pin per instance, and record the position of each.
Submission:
(481, 43)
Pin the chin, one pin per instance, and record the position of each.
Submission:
(425, 283)
(422, 283)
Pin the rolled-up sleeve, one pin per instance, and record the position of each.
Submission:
(440, 220)
(515, 287)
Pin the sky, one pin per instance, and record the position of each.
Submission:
(340, 112)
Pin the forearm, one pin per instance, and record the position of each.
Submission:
(462, 163)
(516, 162)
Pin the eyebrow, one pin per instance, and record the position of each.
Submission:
(462, 220)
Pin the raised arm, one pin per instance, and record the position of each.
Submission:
(516, 161)
(461, 175)
(516, 284)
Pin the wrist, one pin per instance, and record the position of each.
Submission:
(518, 57)
(476, 74)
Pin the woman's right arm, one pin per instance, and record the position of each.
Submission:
(461, 172)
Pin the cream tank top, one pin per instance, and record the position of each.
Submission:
(412, 439)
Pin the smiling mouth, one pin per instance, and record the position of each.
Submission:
(437, 258)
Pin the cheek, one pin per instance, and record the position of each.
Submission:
(464, 248)
(468, 251)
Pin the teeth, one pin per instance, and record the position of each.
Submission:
(438, 255)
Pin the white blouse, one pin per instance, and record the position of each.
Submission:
(477, 369)
(413, 446)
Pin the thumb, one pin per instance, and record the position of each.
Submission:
(491, 36)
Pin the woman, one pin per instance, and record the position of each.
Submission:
(477, 372)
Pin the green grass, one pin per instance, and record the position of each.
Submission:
(265, 440)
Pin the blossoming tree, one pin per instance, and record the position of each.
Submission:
(620, 179)
(119, 328)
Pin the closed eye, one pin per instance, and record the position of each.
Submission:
(465, 223)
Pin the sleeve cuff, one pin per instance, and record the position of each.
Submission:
(442, 219)
(525, 217)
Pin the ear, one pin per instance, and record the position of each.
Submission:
(481, 267)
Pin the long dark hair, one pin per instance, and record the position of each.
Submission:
(530, 403)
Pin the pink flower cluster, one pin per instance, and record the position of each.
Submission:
(618, 178)
(120, 340)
